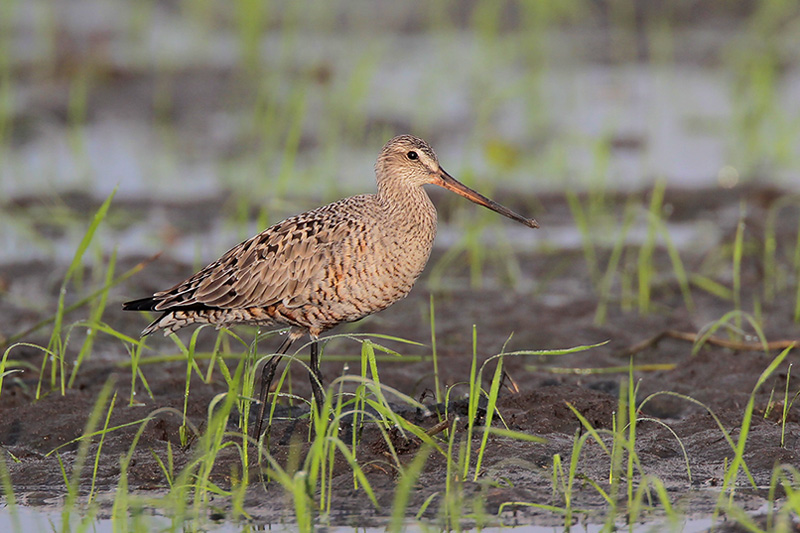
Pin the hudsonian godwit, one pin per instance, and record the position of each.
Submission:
(337, 263)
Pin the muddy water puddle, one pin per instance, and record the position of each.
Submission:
(36, 519)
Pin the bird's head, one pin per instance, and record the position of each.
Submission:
(409, 161)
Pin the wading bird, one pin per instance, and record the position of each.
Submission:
(337, 263)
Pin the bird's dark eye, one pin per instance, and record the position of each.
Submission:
(412, 155)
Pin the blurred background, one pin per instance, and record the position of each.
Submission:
(211, 119)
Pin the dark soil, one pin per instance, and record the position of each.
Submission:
(554, 309)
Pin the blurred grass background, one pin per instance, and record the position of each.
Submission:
(277, 106)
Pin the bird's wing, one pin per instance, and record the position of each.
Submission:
(280, 264)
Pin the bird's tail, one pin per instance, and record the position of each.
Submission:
(143, 304)
(154, 326)
(171, 319)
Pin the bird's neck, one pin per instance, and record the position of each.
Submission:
(408, 206)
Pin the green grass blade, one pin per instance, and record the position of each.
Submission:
(9, 498)
(103, 434)
(738, 251)
(579, 214)
(738, 458)
(515, 435)
(604, 288)
(645, 268)
(677, 266)
(80, 303)
(436, 380)
(404, 487)
(73, 485)
(494, 391)
(95, 316)
(55, 343)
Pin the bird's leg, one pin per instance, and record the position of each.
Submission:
(267, 374)
(316, 377)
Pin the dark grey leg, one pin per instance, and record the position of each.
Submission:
(316, 377)
(267, 374)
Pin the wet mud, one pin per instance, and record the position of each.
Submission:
(550, 304)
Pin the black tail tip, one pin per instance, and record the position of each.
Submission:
(143, 304)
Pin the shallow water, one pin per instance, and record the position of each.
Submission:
(671, 123)
(571, 124)
(45, 519)
(559, 110)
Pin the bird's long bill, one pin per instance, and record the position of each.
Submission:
(452, 184)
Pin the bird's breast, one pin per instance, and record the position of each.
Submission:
(377, 262)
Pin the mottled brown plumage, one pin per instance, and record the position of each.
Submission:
(337, 263)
